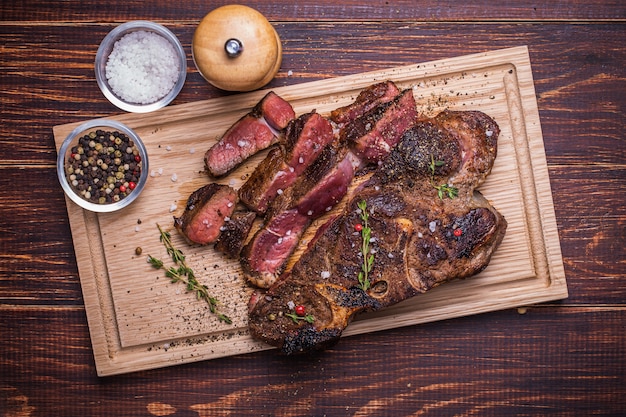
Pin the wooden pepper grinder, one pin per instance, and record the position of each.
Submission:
(235, 48)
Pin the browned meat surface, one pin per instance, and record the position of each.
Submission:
(206, 211)
(304, 140)
(234, 233)
(367, 99)
(255, 131)
(419, 238)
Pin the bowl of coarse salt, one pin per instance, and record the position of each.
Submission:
(140, 66)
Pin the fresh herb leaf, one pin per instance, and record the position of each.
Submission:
(185, 275)
(442, 189)
(366, 235)
(296, 318)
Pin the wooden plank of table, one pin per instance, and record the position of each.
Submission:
(538, 363)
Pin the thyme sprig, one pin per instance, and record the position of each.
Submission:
(309, 318)
(442, 189)
(184, 274)
(368, 258)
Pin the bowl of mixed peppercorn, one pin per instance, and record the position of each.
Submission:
(102, 165)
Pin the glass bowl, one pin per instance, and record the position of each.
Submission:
(102, 57)
(102, 166)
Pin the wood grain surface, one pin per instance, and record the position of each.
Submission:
(561, 358)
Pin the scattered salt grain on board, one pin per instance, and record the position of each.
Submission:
(142, 67)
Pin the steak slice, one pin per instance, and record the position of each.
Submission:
(367, 99)
(419, 239)
(206, 211)
(373, 135)
(255, 131)
(304, 140)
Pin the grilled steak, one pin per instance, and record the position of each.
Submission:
(367, 100)
(372, 135)
(206, 211)
(319, 188)
(422, 233)
(305, 138)
(255, 131)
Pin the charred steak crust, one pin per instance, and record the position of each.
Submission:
(420, 240)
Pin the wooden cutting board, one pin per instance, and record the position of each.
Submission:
(139, 320)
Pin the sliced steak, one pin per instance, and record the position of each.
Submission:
(206, 211)
(305, 138)
(419, 239)
(373, 135)
(367, 99)
(255, 131)
(321, 187)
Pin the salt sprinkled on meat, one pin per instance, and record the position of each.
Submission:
(142, 67)
(432, 226)
(325, 274)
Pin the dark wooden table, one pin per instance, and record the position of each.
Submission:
(560, 358)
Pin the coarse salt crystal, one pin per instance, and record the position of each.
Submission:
(142, 67)
(172, 207)
(168, 148)
(325, 274)
(432, 226)
(174, 177)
